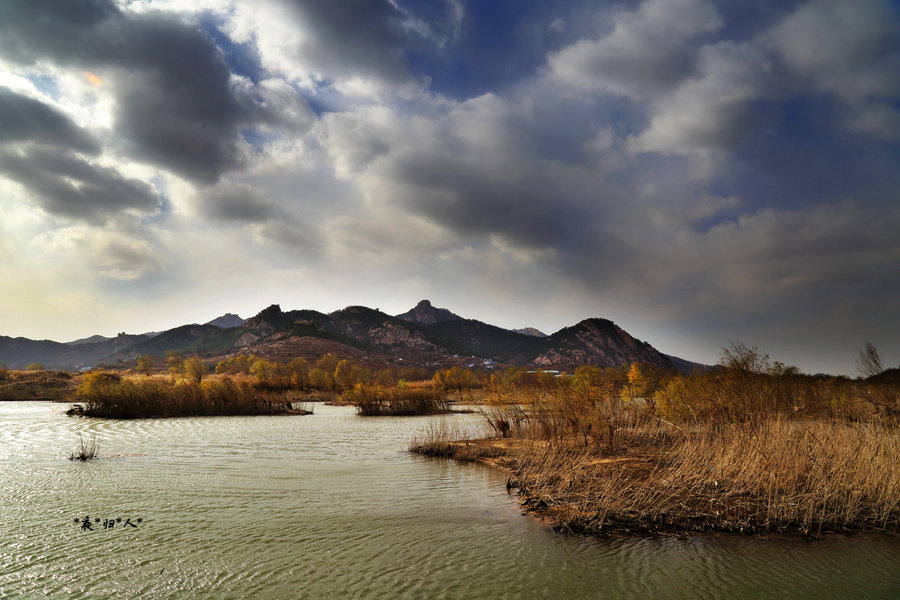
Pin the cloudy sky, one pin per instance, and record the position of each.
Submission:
(698, 171)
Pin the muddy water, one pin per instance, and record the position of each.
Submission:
(332, 506)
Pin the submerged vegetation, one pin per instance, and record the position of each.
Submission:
(751, 446)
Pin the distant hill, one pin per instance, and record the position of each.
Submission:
(227, 320)
(688, 367)
(425, 335)
(89, 340)
(17, 353)
(157, 346)
(424, 312)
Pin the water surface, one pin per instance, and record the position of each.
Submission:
(332, 506)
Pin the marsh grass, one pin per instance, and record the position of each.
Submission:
(85, 452)
(803, 477)
(448, 439)
(593, 462)
(109, 395)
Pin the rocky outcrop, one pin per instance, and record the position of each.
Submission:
(531, 331)
(424, 312)
(391, 334)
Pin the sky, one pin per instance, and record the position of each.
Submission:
(700, 172)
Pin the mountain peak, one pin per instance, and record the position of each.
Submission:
(227, 320)
(424, 312)
(531, 331)
(269, 312)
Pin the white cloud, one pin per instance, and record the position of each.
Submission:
(108, 254)
(557, 25)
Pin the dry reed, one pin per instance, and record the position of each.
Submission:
(741, 458)
(84, 452)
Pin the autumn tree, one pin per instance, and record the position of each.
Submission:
(236, 364)
(327, 365)
(194, 369)
(454, 378)
(175, 362)
(145, 364)
(643, 381)
(343, 375)
(263, 370)
(299, 371)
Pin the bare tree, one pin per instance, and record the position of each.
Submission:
(869, 361)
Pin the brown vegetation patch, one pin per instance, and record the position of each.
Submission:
(36, 385)
(110, 395)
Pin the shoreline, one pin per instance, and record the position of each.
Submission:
(562, 516)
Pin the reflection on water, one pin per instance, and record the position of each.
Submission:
(332, 505)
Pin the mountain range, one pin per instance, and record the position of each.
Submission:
(425, 335)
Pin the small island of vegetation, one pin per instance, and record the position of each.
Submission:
(249, 385)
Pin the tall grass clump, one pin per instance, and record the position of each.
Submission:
(110, 395)
(373, 400)
(85, 452)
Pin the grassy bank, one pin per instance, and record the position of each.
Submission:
(110, 395)
(737, 450)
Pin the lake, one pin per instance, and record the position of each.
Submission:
(332, 505)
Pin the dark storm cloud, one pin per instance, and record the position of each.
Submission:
(353, 37)
(33, 29)
(44, 150)
(178, 109)
(176, 105)
(26, 119)
(233, 202)
(530, 212)
(68, 186)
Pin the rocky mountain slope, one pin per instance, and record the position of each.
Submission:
(17, 353)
